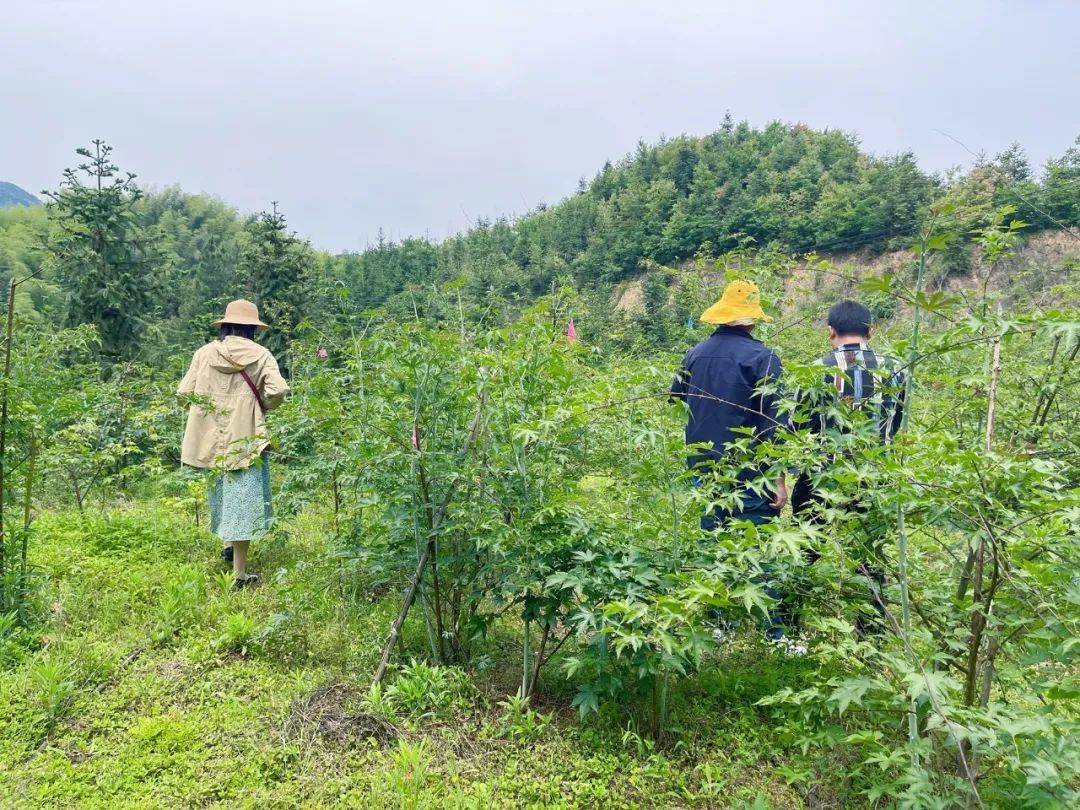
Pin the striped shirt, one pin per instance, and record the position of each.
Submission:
(867, 382)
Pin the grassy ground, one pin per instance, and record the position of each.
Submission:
(158, 685)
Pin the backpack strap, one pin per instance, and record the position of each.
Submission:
(254, 390)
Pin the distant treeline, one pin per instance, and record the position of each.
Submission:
(150, 269)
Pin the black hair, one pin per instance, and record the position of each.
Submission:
(244, 330)
(849, 317)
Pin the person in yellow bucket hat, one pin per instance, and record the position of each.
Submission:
(721, 381)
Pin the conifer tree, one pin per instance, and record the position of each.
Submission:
(277, 266)
(104, 259)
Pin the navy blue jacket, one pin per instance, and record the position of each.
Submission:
(719, 381)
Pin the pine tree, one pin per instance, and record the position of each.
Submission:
(682, 168)
(1013, 164)
(277, 265)
(104, 259)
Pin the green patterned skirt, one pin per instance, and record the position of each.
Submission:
(240, 502)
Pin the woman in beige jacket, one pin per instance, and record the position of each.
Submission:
(231, 384)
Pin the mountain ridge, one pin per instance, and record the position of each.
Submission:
(11, 194)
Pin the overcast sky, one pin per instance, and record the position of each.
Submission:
(420, 117)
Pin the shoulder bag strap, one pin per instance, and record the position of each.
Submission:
(254, 390)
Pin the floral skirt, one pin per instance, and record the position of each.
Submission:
(240, 502)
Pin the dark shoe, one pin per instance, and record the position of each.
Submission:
(227, 554)
(246, 581)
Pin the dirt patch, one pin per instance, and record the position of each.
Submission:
(1041, 261)
(1037, 273)
(324, 713)
(171, 669)
(378, 591)
(632, 298)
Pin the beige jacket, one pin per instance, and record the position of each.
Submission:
(226, 429)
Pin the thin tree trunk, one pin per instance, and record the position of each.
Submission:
(433, 551)
(1043, 393)
(979, 611)
(4, 424)
(978, 622)
(1040, 420)
(434, 522)
(525, 668)
(395, 626)
(984, 698)
(995, 377)
(539, 662)
(980, 607)
(992, 649)
(965, 576)
(901, 527)
(28, 501)
(429, 622)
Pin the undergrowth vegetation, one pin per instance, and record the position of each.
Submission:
(226, 707)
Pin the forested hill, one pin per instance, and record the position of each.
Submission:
(786, 185)
(783, 186)
(11, 194)
(175, 258)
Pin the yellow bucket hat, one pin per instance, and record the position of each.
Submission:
(740, 301)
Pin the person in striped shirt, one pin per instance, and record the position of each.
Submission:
(861, 397)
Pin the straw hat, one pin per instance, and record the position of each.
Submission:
(741, 301)
(243, 313)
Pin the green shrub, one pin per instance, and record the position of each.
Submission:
(52, 686)
(15, 640)
(179, 606)
(421, 691)
(519, 722)
(238, 635)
